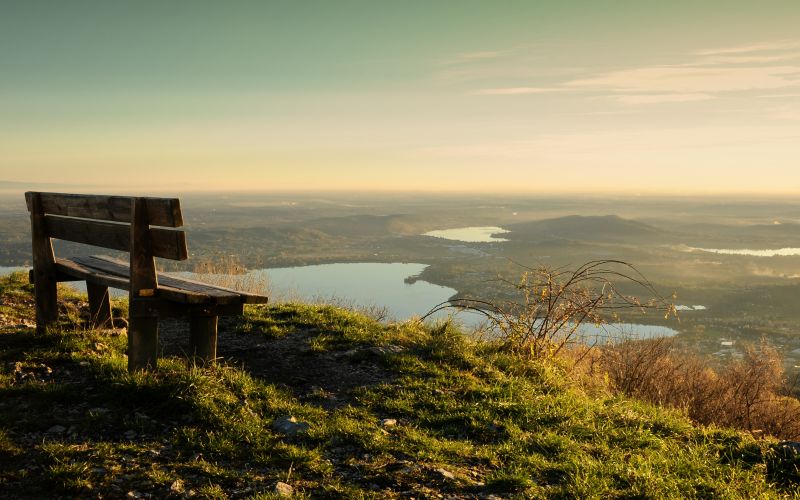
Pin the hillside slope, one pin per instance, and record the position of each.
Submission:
(596, 228)
(377, 411)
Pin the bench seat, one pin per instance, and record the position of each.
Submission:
(114, 273)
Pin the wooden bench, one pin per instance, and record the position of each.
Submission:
(144, 228)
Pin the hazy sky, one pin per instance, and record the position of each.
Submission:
(561, 95)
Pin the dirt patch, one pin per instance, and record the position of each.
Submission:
(326, 378)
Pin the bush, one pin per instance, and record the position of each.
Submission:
(751, 393)
(550, 305)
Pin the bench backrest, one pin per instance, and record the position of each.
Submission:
(106, 221)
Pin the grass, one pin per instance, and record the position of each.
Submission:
(470, 420)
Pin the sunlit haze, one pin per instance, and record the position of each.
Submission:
(568, 96)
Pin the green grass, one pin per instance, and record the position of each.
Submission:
(471, 420)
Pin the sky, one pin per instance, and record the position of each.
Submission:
(641, 96)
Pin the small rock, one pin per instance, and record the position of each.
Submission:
(385, 349)
(790, 448)
(130, 434)
(290, 426)
(56, 429)
(446, 474)
(177, 486)
(283, 490)
(388, 422)
(346, 354)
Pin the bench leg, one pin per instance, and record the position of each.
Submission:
(99, 306)
(142, 339)
(45, 291)
(44, 268)
(203, 338)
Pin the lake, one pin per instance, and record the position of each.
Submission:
(778, 252)
(690, 308)
(474, 234)
(373, 284)
(393, 286)
(4, 270)
(362, 284)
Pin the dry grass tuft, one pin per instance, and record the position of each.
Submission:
(752, 393)
(226, 271)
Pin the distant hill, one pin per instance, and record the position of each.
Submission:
(786, 234)
(611, 228)
(374, 225)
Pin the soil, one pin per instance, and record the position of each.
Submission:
(328, 377)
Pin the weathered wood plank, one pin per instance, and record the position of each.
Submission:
(161, 211)
(173, 303)
(142, 341)
(70, 268)
(166, 243)
(44, 270)
(250, 298)
(203, 339)
(99, 305)
(170, 309)
(115, 273)
(166, 281)
(213, 290)
(143, 324)
(217, 294)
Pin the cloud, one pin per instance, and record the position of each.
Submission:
(659, 98)
(790, 112)
(749, 59)
(704, 75)
(757, 53)
(683, 79)
(755, 47)
(517, 91)
(481, 54)
(515, 63)
(476, 56)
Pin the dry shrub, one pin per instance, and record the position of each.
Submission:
(226, 271)
(751, 393)
(219, 264)
(548, 306)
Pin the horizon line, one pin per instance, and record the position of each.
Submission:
(8, 187)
